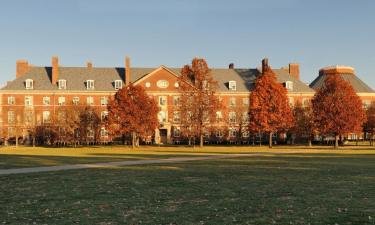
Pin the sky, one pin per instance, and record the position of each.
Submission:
(314, 34)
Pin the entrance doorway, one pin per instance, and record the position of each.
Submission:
(163, 136)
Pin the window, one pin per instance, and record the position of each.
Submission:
(11, 100)
(61, 100)
(103, 132)
(118, 84)
(232, 85)
(219, 116)
(29, 115)
(245, 133)
(28, 100)
(11, 117)
(176, 100)
(46, 117)
(176, 117)
(232, 117)
(76, 100)
(289, 85)
(104, 101)
(162, 84)
(162, 100)
(104, 115)
(29, 84)
(90, 133)
(90, 100)
(232, 133)
(90, 85)
(232, 101)
(176, 132)
(162, 116)
(61, 84)
(46, 100)
(245, 101)
(245, 117)
(219, 133)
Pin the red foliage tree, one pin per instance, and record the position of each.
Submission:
(132, 112)
(369, 126)
(198, 99)
(303, 122)
(337, 109)
(269, 109)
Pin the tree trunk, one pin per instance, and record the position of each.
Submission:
(336, 141)
(33, 141)
(133, 140)
(270, 140)
(309, 142)
(16, 139)
(201, 141)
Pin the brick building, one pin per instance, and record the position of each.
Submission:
(37, 93)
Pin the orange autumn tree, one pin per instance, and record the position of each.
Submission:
(369, 126)
(337, 109)
(132, 112)
(269, 109)
(303, 122)
(198, 100)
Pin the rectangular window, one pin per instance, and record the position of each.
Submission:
(232, 133)
(61, 100)
(104, 101)
(61, 84)
(245, 133)
(11, 117)
(162, 116)
(46, 117)
(104, 115)
(162, 100)
(46, 100)
(118, 84)
(245, 117)
(29, 115)
(232, 117)
(103, 132)
(11, 100)
(232, 101)
(219, 116)
(232, 85)
(75, 100)
(176, 100)
(219, 133)
(176, 117)
(90, 133)
(28, 100)
(176, 132)
(245, 101)
(90, 85)
(289, 85)
(29, 84)
(90, 100)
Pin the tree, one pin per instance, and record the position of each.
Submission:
(132, 112)
(303, 122)
(269, 109)
(89, 124)
(337, 109)
(369, 126)
(199, 102)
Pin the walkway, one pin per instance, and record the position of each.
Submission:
(122, 163)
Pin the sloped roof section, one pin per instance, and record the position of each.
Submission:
(104, 78)
(358, 85)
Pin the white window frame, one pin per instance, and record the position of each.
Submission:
(162, 116)
(29, 84)
(118, 84)
(232, 117)
(289, 85)
(176, 100)
(46, 116)
(245, 134)
(219, 116)
(219, 133)
(232, 133)
(61, 100)
(232, 85)
(176, 117)
(90, 133)
(61, 84)
(46, 100)
(163, 100)
(11, 100)
(162, 83)
(11, 117)
(90, 84)
(29, 101)
(103, 115)
(104, 132)
(176, 132)
(90, 100)
(104, 101)
(245, 101)
(75, 100)
(232, 101)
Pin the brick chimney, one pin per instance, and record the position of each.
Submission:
(55, 69)
(264, 64)
(231, 66)
(127, 70)
(22, 67)
(89, 65)
(294, 70)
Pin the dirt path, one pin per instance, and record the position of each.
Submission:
(122, 163)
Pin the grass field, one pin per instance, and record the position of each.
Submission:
(317, 186)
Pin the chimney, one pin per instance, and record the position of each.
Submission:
(231, 66)
(294, 70)
(89, 65)
(264, 64)
(55, 69)
(22, 67)
(127, 70)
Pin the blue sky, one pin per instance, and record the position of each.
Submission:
(171, 32)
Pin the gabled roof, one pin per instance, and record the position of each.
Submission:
(104, 78)
(358, 85)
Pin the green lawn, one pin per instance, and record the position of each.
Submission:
(318, 186)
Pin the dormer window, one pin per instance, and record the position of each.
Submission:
(118, 84)
(289, 85)
(29, 84)
(232, 85)
(90, 85)
(61, 84)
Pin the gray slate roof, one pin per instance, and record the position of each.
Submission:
(104, 78)
(358, 85)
